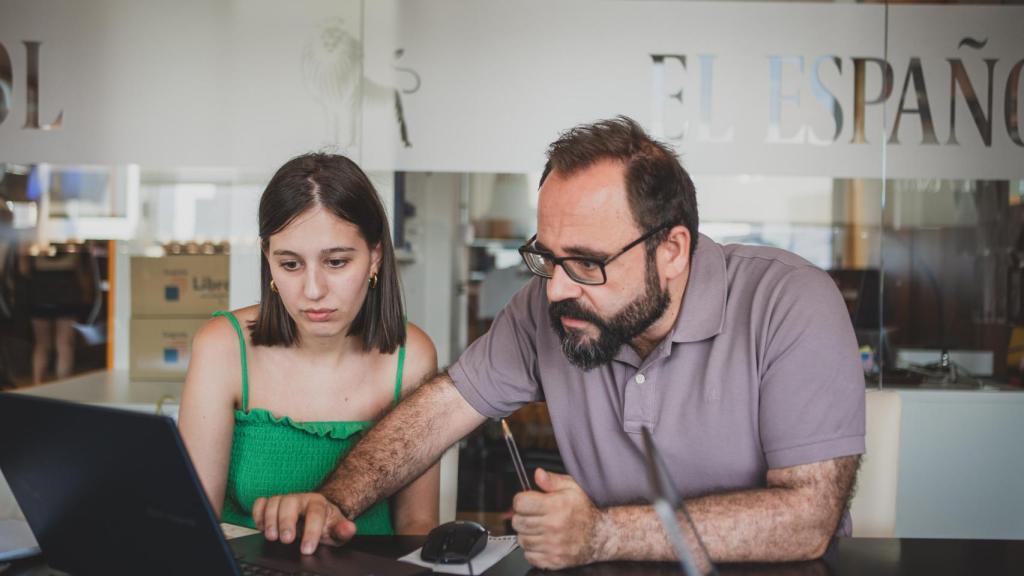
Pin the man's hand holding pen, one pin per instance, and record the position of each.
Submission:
(558, 526)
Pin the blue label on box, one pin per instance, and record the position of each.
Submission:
(171, 293)
(170, 355)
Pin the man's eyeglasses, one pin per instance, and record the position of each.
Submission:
(580, 269)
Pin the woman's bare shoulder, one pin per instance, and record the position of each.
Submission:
(420, 358)
(214, 369)
(218, 334)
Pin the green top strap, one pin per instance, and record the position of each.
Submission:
(245, 367)
(398, 377)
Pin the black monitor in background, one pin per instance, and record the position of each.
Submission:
(14, 186)
(868, 313)
(860, 290)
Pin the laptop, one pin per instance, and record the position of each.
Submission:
(110, 491)
(667, 501)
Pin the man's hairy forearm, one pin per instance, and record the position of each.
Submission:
(793, 522)
(401, 446)
(753, 525)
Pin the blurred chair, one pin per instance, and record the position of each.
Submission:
(874, 506)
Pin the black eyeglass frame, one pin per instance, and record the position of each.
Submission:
(529, 249)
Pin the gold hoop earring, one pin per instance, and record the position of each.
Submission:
(273, 287)
(373, 281)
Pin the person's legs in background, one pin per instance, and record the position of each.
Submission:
(42, 332)
(65, 343)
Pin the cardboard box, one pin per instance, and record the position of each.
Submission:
(189, 285)
(494, 228)
(161, 347)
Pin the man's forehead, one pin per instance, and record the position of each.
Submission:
(586, 208)
(602, 175)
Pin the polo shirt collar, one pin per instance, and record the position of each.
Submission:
(703, 313)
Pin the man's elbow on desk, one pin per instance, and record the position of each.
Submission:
(814, 498)
(809, 543)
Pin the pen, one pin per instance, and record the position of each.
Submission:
(517, 462)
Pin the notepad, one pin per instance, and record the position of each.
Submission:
(232, 531)
(16, 540)
(497, 548)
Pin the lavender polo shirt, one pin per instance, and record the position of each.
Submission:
(760, 371)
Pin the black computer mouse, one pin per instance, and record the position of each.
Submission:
(454, 542)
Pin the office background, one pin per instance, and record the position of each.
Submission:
(881, 141)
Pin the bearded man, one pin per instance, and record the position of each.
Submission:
(740, 359)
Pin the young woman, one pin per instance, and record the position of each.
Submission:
(276, 393)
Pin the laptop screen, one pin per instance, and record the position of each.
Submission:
(108, 491)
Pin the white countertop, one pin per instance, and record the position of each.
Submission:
(113, 388)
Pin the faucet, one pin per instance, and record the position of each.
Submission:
(945, 372)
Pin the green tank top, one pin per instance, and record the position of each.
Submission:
(271, 455)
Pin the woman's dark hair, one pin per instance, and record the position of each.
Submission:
(339, 186)
(660, 191)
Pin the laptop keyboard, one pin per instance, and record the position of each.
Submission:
(257, 570)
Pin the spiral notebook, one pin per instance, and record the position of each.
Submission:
(497, 548)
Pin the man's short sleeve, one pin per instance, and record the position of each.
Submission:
(498, 372)
(812, 384)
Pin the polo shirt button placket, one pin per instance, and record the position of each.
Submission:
(644, 400)
(637, 403)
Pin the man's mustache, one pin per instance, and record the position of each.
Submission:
(574, 310)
